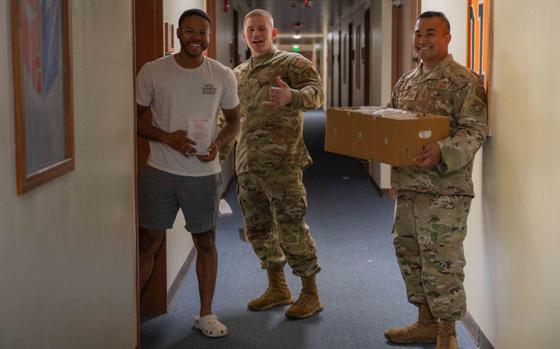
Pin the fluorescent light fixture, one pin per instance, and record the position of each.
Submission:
(297, 36)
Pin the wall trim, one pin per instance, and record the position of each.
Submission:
(476, 333)
(172, 292)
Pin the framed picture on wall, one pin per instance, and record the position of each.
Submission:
(479, 44)
(42, 76)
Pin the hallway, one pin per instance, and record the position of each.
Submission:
(360, 284)
(68, 247)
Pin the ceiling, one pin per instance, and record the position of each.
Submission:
(315, 19)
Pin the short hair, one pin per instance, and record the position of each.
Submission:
(194, 12)
(435, 14)
(260, 13)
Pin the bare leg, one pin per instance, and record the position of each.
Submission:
(206, 268)
(149, 243)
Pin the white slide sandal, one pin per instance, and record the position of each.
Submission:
(210, 326)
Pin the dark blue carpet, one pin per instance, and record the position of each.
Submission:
(360, 284)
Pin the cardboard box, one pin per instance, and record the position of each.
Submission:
(352, 132)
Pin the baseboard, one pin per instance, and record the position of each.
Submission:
(172, 293)
(380, 192)
(476, 333)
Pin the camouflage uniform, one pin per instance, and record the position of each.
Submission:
(271, 156)
(228, 147)
(433, 203)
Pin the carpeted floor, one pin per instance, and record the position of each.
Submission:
(360, 284)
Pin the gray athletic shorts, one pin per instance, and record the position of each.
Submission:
(161, 194)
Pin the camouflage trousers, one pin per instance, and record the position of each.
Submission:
(274, 205)
(428, 236)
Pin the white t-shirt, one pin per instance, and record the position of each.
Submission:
(177, 95)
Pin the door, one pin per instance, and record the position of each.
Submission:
(404, 19)
(366, 56)
(330, 65)
(358, 65)
(235, 40)
(339, 66)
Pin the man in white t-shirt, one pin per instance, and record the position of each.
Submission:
(185, 93)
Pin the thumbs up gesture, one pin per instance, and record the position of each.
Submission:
(279, 96)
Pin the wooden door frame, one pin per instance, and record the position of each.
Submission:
(148, 46)
(236, 59)
(331, 72)
(340, 66)
(211, 12)
(135, 164)
(398, 37)
(395, 44)
(367, 60)
(351, 60)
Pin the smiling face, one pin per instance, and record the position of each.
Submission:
(259, 33)
(193, 34)
(431, 40)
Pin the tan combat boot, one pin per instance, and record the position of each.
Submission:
(308, 302)
(447, 337)
(276, 294)
(425, 330)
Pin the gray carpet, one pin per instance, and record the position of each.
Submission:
(360, 284)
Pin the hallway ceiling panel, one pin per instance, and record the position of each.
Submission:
(315, 20)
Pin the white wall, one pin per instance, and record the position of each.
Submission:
(456, 12)
(380, 73)
(512, 242)
(178, 240)
(67, 248)
(523, 155)
(172, 10)
(406, 30)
